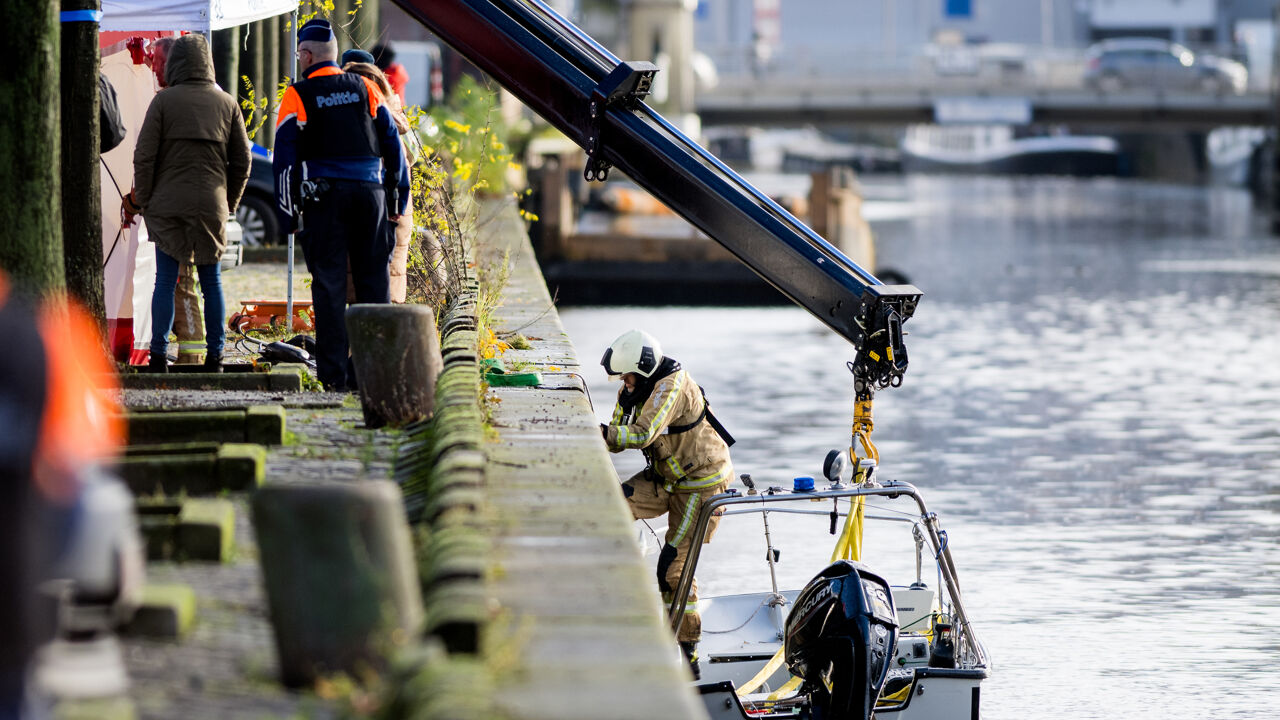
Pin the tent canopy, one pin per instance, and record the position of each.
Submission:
(192, 15)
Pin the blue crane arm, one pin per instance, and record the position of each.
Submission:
(597, 101)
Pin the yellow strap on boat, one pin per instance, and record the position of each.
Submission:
(849, 545)
(895, 698)
(769, 668)
(785, 690)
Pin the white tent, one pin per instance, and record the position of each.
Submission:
(193, 15)
(129, 265)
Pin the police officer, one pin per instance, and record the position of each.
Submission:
(337, 161)
(662, 411)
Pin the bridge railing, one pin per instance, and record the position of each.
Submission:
(993, 67)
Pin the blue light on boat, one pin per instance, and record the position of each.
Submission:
(802, 484)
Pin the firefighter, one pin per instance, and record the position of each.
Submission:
(337, 162)
(662, 411)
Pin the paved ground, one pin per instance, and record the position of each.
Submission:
(226, 667)
(585, 637)
(259, 281)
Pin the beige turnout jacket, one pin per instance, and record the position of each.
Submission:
(688, 461)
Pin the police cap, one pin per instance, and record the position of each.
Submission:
(317, 30)
(356, 55)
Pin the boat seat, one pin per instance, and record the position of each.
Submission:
(915, 607)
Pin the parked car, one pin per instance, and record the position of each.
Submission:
(1150, 63)
(256, 213)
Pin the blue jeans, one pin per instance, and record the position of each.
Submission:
(215, 311)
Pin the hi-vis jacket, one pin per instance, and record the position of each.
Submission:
(689, 461)
(333, 124)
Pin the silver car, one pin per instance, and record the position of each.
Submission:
(1149, 63)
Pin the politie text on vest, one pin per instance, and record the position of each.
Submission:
(337, 98)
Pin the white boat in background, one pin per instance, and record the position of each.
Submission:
(997, 149)
(853, 642)
(796, 150)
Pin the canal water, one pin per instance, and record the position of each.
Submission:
(1092, 407)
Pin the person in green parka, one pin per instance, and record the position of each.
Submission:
(190, 167)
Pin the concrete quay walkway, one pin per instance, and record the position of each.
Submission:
(574, 627)
(584, 621)
(226, 666)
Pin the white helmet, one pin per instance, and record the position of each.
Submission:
(635, 351)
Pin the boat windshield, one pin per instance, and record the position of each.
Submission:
(800, 531)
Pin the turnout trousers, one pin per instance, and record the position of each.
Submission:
(347, 224)
(650, 499)
(188, 324)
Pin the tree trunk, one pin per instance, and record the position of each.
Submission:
(341, 24)
(251, 67)
(288, 59)
(31, 251)
(226, 59)
(366, 27)
(271, 70)
(81, 176)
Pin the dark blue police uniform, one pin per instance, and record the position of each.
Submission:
(337, 164)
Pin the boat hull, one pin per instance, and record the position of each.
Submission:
(1078, 163)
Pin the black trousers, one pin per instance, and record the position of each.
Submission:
(348, 223)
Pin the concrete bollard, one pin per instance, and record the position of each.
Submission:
(338, 566)
(396, 353)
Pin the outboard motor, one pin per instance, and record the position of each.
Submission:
(840, 635)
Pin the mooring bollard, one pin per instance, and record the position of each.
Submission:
(337, 562)
(396, 354)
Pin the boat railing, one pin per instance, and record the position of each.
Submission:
(967, 643)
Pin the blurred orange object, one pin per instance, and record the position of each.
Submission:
(81, 423)
(270, 314)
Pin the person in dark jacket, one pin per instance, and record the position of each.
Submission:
(110, 124)
(190, 168)
(338, 164)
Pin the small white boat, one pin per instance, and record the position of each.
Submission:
(997, 149)
(853, 642)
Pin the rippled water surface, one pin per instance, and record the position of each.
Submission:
(1092, 406)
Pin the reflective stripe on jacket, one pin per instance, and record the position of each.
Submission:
(689, 461)
(289, 159)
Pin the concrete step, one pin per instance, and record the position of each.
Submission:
(261, 424)
(287, 379)
(231, 467)
(167, 612)
(189, 529)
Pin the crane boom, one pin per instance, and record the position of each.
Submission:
(598, 101)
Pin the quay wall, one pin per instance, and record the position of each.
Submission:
(570, 623)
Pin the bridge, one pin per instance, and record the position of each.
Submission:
(1016, 88)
